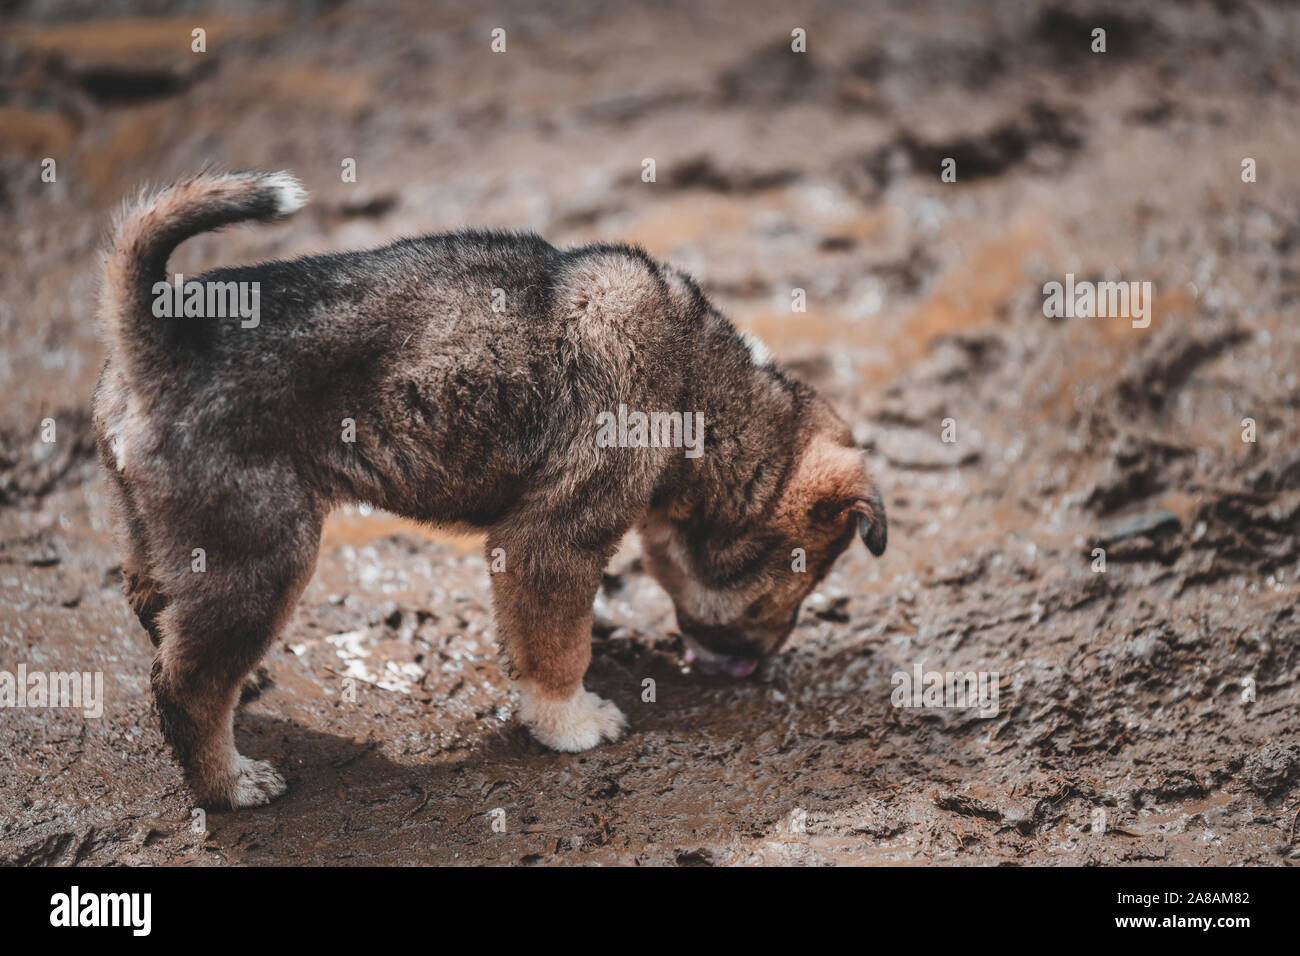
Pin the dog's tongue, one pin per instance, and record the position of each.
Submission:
(731, 666)
(740, 666)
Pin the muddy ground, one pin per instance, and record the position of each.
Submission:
(1161, 692)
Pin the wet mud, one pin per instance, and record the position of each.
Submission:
(1146, 713)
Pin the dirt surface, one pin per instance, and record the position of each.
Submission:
(1161, 692)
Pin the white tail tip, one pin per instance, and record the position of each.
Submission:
(289, 193)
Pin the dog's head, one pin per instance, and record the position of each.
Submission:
(737, 596)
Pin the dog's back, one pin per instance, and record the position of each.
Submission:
(430, 376)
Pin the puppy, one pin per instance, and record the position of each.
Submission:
(484, 380)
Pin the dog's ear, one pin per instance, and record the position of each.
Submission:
(831, 480)
(873, 528)
(872, 525)
(839, 483)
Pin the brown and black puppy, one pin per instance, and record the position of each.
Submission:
(468, 380)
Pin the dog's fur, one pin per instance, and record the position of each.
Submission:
(230, 439)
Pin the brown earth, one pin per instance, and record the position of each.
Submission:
(1126, 691)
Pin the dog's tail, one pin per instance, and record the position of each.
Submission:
(150, 229)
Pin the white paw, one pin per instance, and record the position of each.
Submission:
(571, 725)
(256, 783)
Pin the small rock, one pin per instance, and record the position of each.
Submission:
(1150, 524)
(1269, 770)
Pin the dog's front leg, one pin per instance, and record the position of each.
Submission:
(543, 613)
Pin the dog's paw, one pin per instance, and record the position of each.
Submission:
(571, 725)
(256, 783)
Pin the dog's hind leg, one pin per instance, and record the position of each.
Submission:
(139, 584)
(215, 628)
